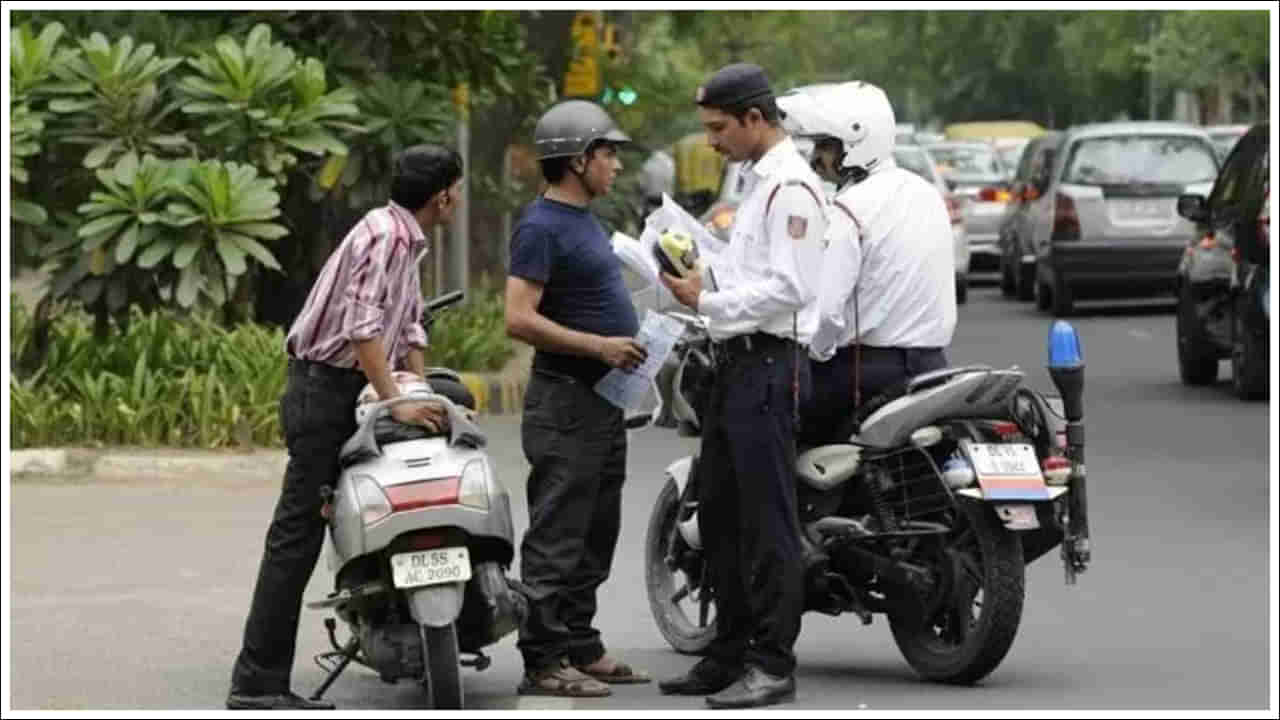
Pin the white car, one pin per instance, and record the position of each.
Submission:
(918, 160)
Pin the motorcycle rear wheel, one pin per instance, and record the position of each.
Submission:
(442, 677)
(685, 617)
(977, 603)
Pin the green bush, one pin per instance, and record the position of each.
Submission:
(471, 337)
(182, 380)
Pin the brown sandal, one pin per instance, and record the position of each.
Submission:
(562, 681)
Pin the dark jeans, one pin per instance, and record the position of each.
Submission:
(576, 443)
(747, 509)
(317, 414)
(832, 402)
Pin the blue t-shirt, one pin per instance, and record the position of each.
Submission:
(564, 249)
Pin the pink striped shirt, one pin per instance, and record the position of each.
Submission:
(368, 288)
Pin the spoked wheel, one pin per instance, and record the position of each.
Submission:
(965, 626)
(442, 678)
(679, 596)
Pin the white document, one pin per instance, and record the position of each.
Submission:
(629, 390)
(673, 217)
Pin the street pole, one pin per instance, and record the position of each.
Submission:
(459, 237)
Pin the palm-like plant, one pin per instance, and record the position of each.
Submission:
(226, 209)
(114, 102)
(264, 103)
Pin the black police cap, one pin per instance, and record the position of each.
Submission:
(734, 86)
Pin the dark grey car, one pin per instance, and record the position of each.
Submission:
(1107, 224)
(1017, 254)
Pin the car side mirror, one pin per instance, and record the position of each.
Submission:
(1194, 208)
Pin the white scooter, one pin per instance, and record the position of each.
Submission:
(420, 538)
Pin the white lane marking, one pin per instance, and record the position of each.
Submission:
(1140, 334)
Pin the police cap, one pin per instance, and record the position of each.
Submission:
(734, 86)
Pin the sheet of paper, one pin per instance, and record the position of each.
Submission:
(629, 390)
(672, 216)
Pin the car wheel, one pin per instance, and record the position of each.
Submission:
(1063, 303)
(1025, 282)
(962, 288)
(1197, 359)
(1043, 295)
(1007, 285)
(1249, 362)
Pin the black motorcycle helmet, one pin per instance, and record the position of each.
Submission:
(569, 129)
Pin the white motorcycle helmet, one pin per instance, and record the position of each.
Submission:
(368, 398)
(858, 114)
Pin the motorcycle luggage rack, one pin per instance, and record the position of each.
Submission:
(347, 595)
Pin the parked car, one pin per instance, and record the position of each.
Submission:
(1225, 136)
(973, 171)
(1224, 280)
(919, 161)
(1017, 256)
(1106, 225)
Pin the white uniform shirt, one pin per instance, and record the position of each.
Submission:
(889, 237)
(770, 269)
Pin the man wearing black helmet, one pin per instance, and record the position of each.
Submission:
(761, 315)
(566, 298)
(361, 319)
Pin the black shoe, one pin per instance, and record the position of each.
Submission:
(285, 701)
(709, 676)
(756, 689)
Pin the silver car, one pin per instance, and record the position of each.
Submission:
(919, 161)
(1107, 223)
(974, 172)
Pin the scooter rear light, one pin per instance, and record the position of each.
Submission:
(425, 540)
(473, 488)
(1006, 430)
(425, 493)
(373, 502)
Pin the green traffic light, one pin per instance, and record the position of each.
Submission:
(627, 96)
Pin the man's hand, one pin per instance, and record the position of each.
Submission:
(427, 414)
(685, 290)
(622, 353)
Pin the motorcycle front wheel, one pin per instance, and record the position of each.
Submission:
(680, 600)
(964, 629)
(442, 676)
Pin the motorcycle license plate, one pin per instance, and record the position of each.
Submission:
(1007, 471)
(431, 567)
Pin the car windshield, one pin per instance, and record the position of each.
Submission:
(1223, 142)
(1123, 160)
(967, 160)
(1010, 155)
(916, 161)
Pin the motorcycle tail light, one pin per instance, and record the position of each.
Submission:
(473, 490)
(373, 502)
(1006, 430)
(1057, 470)
(426, 493)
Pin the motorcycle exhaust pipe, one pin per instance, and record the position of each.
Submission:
(1066, 368)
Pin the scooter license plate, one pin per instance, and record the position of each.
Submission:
(431, 567)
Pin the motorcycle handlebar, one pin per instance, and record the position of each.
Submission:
(439, 303)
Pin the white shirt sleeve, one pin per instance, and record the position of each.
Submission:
(793, 229)
(841, 265)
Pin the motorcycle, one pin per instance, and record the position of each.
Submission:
(928, 512)
(420, 538)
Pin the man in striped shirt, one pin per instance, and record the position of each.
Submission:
(361, 320)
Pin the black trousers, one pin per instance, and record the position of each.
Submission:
(832, 401)
(576, 443)
(747, 508)
(317, 414)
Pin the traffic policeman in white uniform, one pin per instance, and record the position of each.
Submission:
(887, 304)
(762, 316)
